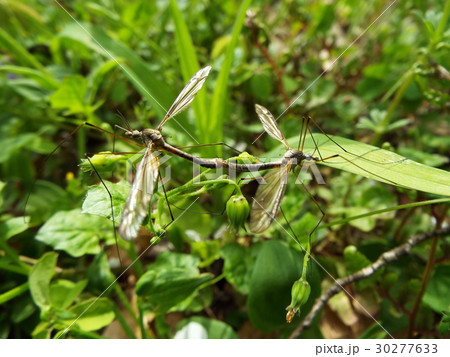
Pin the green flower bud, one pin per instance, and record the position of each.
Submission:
(104, 161)
(237, 210)
(244, 158)
(299, 296)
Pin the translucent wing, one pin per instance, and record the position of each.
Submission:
(268, 199)
(187, 95)
(136, 207)
(270, 125)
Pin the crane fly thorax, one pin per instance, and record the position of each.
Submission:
(153, 136)
(294, 157)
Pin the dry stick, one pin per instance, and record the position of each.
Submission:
(384, 259)
(426, 276)
(265, 53)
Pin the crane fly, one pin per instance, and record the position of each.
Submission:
(268, 196)
(144, 183)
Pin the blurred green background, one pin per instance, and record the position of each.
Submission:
(104, 62)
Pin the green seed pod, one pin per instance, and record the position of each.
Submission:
(237, 211)
(299, 296)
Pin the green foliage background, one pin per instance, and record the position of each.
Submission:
(107, 60)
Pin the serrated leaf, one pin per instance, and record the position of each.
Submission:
(71, 95)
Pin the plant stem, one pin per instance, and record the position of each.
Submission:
(128, 331)
(384, 210)
(11, 294)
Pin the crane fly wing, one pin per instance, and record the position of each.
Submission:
(268, 199)
(187, 95)
(138, 201)
(270, 125)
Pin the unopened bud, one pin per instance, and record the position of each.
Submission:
(299, 296)
(237, 210)
(104, 161)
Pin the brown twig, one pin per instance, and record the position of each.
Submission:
(386, 258)
(425, 277)
(265, 53)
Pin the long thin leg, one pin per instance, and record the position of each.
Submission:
(165, 196)
(61, 143)
(341, 147)
(352, 163)
(112, 207)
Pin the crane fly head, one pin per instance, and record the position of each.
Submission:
(135, 134)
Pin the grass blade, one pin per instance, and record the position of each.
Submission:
(216, 119)
(189, 66)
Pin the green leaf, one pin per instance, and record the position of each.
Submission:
(321, 93)
(168, 288)
(376, 164)
(138, 72)
(92, 314)
(172, 279)
(215, 329)
(238, 265)
(207, 251)
(438, 289)
(76, 233)
(45, 199)
(261, 86)
(99, 274)
(276, 268)
(98, 76)
(444, 325)
(64, 292)
(29, 89)
(42, 78)
(11, 144)
(17, 51)
(354, 261)
(23, 308)
(43, 330)
(40, 277)
(71, 95)
(167, 260)
(98, 202)
(348, 106)
(12, 227)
